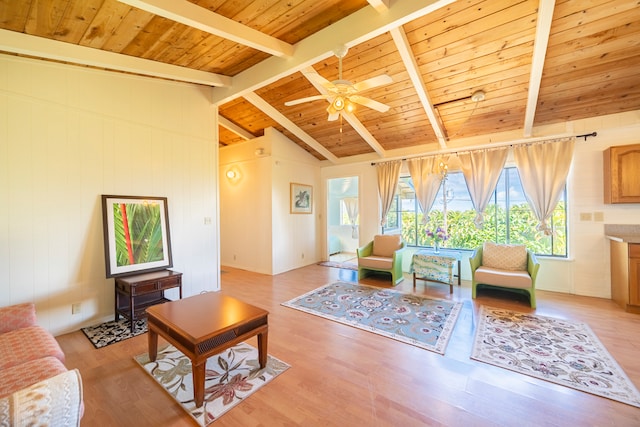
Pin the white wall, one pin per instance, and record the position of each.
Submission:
(258, 231)
(70, 134)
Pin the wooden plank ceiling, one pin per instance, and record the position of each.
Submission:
(538, 62)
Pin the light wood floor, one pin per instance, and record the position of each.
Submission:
(342, 376)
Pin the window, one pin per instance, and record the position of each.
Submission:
(508, 217)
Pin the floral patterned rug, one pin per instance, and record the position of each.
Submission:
(413, 319)
(112, 332)
(551, 349)
(230, 377)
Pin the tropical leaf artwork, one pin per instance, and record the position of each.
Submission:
(138, 233)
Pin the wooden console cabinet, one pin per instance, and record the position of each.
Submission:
(133, 294)
(625, 275)
(622, 174)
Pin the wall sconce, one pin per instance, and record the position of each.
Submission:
(231, 174)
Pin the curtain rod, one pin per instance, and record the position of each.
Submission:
(499, 145)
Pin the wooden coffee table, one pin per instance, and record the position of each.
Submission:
(203, 325)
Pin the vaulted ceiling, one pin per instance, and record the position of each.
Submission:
(537, 62)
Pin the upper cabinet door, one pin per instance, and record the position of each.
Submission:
(622, 174)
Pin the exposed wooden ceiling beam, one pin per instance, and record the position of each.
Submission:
(380, 5)
(269, 110)
(543, 30)
(228, 124)
(24, 44)
(356, 28)
(203, 19)
(402, 44)
(349, 117)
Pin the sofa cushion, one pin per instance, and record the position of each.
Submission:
(25, 374)
(376, 262)
(25, 344)
(503, 278)
(384, 245)
(504, 257)
(17, 316)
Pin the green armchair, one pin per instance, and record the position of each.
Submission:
(383, 254)
(508, 267)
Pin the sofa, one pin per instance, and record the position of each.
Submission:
(36, 387)
(508, 267)
(382, 254)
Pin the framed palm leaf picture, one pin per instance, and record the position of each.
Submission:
(301, 198)
(136, 234)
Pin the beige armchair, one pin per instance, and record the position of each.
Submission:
(509, 267)
(384, 254)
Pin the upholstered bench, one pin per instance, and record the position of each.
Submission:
(509, 267)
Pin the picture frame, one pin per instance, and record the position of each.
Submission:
(301, 198)
(136, 234)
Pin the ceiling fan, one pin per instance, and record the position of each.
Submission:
(342, 94)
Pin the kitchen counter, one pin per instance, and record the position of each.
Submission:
(627, 233)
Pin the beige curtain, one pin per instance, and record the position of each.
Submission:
(543, 170)
(481, 170)
(388, 175)
(426, 179)
(351, 206)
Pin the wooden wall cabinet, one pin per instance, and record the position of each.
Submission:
(622, 174)
(625, 275)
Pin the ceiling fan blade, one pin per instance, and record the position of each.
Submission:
(307, 99)
(380, 80)
(370, 103)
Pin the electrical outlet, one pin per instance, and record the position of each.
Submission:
(75, 308)
(598, 216)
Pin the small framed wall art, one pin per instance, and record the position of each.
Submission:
(301, 198)
(136, 234)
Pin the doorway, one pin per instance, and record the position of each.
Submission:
(343, 219)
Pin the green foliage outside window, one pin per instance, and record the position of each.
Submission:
(508, 218)
(463, 233)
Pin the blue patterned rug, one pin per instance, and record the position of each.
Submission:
(412, 319)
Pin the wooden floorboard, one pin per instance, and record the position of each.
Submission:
(343, 376)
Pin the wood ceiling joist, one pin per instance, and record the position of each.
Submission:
(197, 17)
(11, 41)
(293, 128)
(401, 42)
(228, 124)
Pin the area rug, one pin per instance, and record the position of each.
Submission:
(112, 332)
(412, 319)
(347, 265)
(551, 349)
(230, 377)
